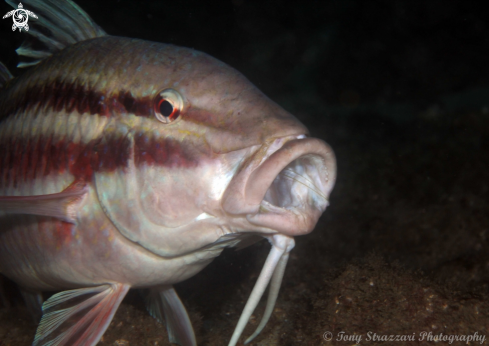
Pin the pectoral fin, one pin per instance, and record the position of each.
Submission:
(164, 301)
(79, 317)
(62, 205)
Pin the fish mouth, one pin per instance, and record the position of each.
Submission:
(282, 191)
(285, 187)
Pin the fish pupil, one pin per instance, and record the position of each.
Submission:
(166, 108)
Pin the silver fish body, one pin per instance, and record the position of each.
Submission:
(132, 164)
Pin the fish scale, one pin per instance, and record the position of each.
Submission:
(133, 164)
(31, 154)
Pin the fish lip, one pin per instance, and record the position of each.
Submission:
(247, 192)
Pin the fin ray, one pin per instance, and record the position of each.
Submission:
(32, 53)
(64, 322)
(62, 205)
(164, 301)
(59, 24)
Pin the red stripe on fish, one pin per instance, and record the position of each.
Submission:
(26, 159)
(168, 152)
(67, 96)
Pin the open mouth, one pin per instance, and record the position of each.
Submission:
(288, 190)
(296, 186)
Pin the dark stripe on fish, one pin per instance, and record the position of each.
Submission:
(66, 96)
(27, 159)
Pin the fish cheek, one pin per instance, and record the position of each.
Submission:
(171, 197)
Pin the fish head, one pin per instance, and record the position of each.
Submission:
(268, 176)
(212, 156)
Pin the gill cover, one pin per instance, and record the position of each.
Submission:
(120, 192)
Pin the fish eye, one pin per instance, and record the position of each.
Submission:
(168, 105)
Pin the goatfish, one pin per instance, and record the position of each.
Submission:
(133, 164)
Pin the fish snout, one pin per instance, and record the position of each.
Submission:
(288, 190)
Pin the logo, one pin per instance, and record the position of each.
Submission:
(20, 17)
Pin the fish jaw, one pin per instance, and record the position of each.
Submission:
(285, 187)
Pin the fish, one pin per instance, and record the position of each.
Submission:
(129, 164)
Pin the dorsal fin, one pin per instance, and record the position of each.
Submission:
(5, 75)
(60, 23)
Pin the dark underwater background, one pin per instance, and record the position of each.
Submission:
(400, 90)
